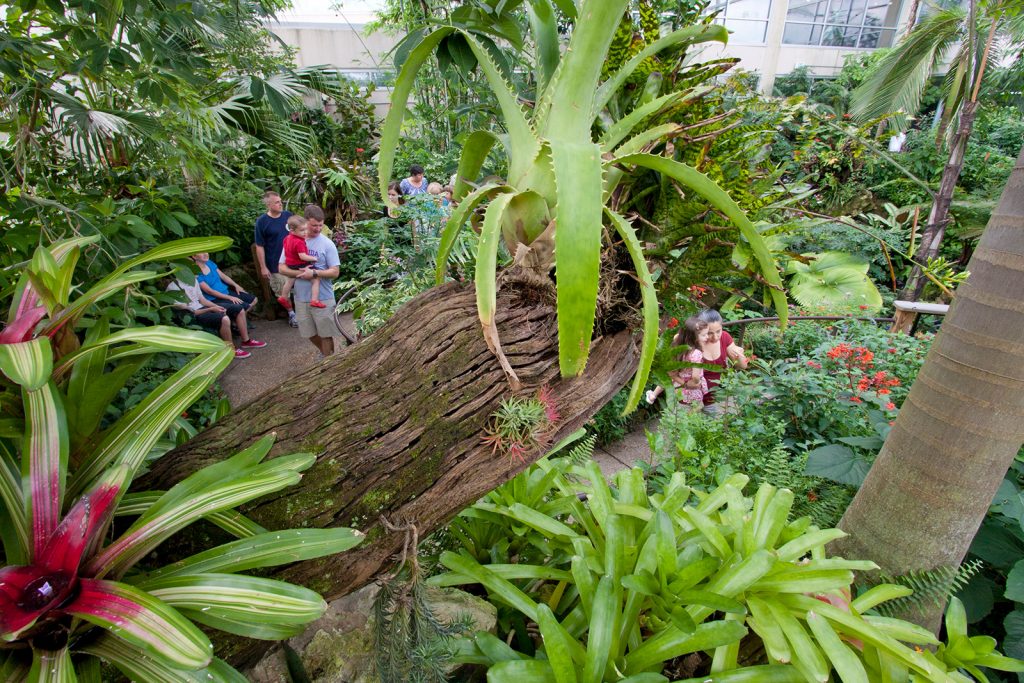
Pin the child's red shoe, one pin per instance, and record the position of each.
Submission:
(318, 304)
(285, 303)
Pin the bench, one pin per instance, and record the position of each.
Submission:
(905, 319)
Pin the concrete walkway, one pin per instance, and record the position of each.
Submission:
(285, 356)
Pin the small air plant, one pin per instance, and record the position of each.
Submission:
(523, 424)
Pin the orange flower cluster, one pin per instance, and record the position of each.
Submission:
(880, 382)
(854, 357)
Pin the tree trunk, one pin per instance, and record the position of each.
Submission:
(938, 218)
(958, 431)
(396, 422)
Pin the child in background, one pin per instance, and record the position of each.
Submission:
(689, 382)
(297, 256)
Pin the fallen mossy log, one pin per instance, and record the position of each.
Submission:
(397, 422)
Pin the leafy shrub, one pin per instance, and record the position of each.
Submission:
(986, 170)
(622, 583)
(230, 209)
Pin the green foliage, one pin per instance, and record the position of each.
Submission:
(610, 424)
(229, 208)
(411, 644)
(624, 583)
(79, 589)
(930, 588)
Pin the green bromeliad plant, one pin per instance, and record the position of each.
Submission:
(567, 153)
(73, 592)
(623, 583)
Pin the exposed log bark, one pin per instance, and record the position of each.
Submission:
(396, 422)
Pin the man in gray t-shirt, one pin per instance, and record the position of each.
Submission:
(316, 324)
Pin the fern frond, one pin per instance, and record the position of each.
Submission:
(931, 588)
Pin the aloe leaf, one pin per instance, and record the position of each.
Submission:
(161, 337)
(138, 667)
(130, 439)
(458, 219)
(577, 249)
(718, 198)
(52, 666)
(243, 598)
(27, 363)
(572, 104)
(392, 128)
(521, 137)
(499, 587)
(649, 343)
(140, 539)
(544, 28)
(475, 149)
(619, 130)
(17, 545)
(487, 260)
(142, 621)
(265, 550)
(689, 35)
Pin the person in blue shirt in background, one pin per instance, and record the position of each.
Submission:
(271, 229)
(214, 284)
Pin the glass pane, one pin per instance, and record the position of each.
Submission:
(850, 12)
(716, 6)
(882, 13)
(869, 38)
(840, 36)
(888, 35)
(746, 31)
(807, 10)
(749, 9)
(802, 34)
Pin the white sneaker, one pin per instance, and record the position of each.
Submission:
(291, 319)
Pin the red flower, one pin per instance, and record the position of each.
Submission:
(812, 496)
(891, 350)
(855, 399)
(890, 405)
(359, 150)
(883, 392)
(863, 307)
(673, 323)
(813, 364)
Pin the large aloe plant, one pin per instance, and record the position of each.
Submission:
(70, 593)
(552, 210)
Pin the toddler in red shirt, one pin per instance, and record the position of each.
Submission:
(296, 256)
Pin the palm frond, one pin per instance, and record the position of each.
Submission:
(899, 80)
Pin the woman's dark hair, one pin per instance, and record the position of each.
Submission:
(709, 315)
(397, 187)
(415, 169)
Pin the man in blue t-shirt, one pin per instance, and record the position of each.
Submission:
(271, 229)
(318, 325)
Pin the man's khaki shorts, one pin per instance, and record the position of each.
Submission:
(277, 282)
(316, 322)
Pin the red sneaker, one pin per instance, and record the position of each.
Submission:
(242, 353)
(254, 344)
(318, 304)
(287, 305)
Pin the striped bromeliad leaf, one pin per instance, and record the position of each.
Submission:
(52, 666)
(265, 550)
(242, 599)
(143, 621)
(156, 337)
(139, 667)
(27, 363)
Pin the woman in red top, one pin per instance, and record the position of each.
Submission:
(717, 348)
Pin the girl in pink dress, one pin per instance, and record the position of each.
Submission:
(690, 384)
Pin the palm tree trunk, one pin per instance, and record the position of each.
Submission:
(963, 422)
(397, 423)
